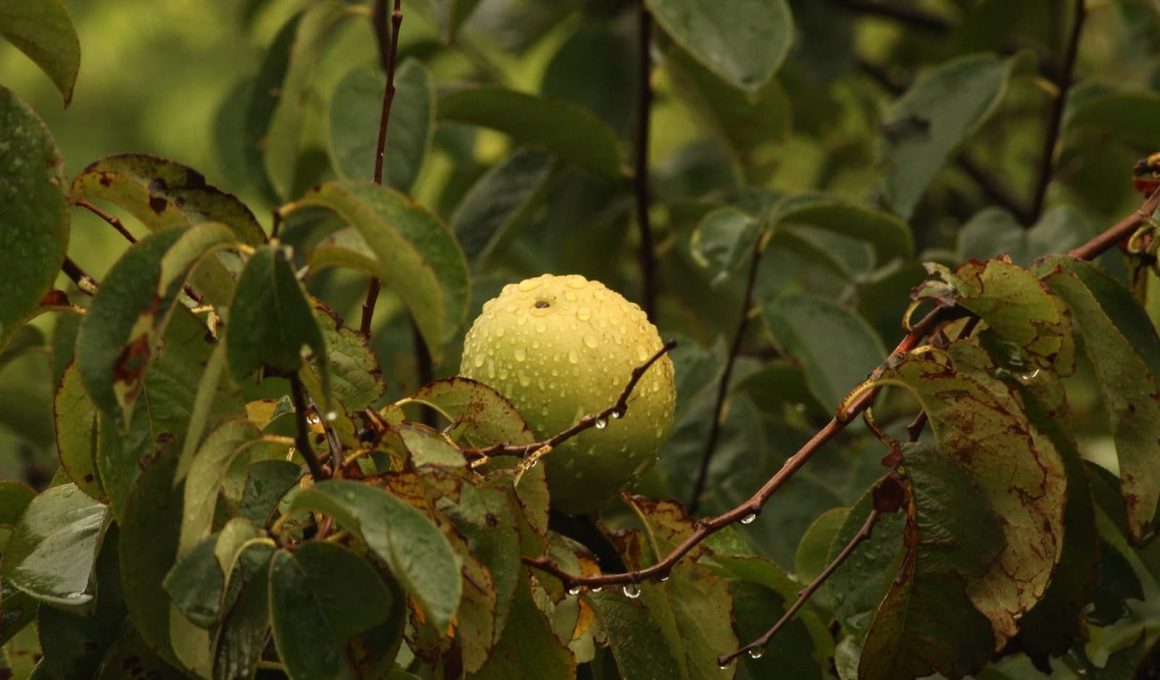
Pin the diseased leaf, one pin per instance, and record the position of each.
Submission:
(1122, 345)
(744, 42)
(478, 414)
(414, 549)
(417, 255)
(354, 368)
(355, 110)
(978, 423)
(527, 642)
(164, 194)
(75, 417)
(572, 133)
(34, 224)
(814, 331)
(51, 551)
(938, 111)
(43, 30)
(206, 474)
(272, 320)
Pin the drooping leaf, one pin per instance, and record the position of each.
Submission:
(723, 243)
(273, 320)
(1121, 115)
(34, 225)
(498, 201)
(478, 414)
(978, 423)
(321, 597)
(206, 474)
(1122, 345)
(355, 110)
(814, 331)
(52, 549)
(572, 133)
(528, 642)
(245, 632)
(927, 622)
(413, 548)
(43, 30)
(743, 42)
(266, 483)
(75, 417)
(1030, 323)
(163, 194)
(994, 231)
(417, 255)
(196, 583)
(890, 237)
(938, 111)
(354, 368)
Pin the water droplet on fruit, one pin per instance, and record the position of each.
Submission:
(524, 379)
(541, 327)
(569, 296)
(573, 357)
(584, 314)
(530, 284)
(577, 282)
(591, 342)
(632, 591)
(478, 361)
(521, 354)
(750, 518)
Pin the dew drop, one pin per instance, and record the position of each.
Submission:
(574, 591)
(750, 518)
(524, 379)
(478, 361)
(723, 666)
(1030, 377)
(577, 282)
(601, 423)
(534, 462)
(530, 284)
(591, 342)
(756, 653)
(570, 296)
(584, 314)
(332, 416)
(631, 591)
(573, 357)
(617, 414)
(521, 353)
(665, 578)
(541, 327)
(597, 589)
(799, 407)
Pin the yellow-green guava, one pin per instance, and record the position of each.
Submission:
(560, 348)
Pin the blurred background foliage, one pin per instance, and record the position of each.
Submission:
(173, 79)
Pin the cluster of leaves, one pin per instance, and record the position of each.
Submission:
(241, 493)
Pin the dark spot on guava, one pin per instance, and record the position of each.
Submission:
(543, 304)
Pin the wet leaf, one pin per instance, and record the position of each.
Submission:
(355, 374)
(76, 432)
(994, 231)
(51, 551)
(498, 201)
(206, 474)
(723, 244)
(414, 549)
(528, 642)
(245, 633)
(889, 236)
(34, 225)
(417, 255)
(478, 414)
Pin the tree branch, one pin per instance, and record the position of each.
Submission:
(388, 44)
(302, 438)
(1063, 81)
(723, 386)
(904, 14)
(995, 189)
(110, 219)
(647, 254)
(85, 283)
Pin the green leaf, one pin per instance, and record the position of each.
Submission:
(478, 414)
(266, 483)
(572, 133)
(164, 194)
(638, 644)
(281, 95)
(890, 237)
(19, 610)
(814, 550)
(75, 416)
(815, 330)
(245, 632)
(417, 255)
(34, 225)
(595, 69)
(978, 423)
(1128, 116)
(206, 474)
(196, 583)
(941, 109)
(446, 15)
(857, 586)
(320, 597)
(43, 30)
(1026, 323)
(52, 549)
(354, 368)
(1122, 346)
(274, 320)
(74, 645)
(498, 201)
(927, 621)
(744, 120)
(723, 243)
(994, 231)
(14, 499)
(414, 549)
(744, 42)
(355, 110)
(527, 642)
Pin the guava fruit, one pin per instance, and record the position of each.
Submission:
(560, 348)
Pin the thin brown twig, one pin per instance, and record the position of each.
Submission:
(901, 13)
(994, 188)
(1063, 80)
(758, 645)
(600, 419)
(302, 438)
(644, 94)
(112, 220)
(388, 54)
(726, 374)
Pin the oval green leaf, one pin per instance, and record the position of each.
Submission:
(43, 30)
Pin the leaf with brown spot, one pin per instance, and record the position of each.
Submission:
(478, 414)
